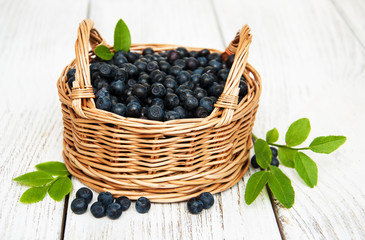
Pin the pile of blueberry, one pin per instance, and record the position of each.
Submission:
(160, 86)
(274, 159)
(106, 204)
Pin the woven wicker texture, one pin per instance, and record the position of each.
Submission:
(165, 161)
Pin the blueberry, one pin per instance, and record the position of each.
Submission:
(98, 209)
(170, 83)
(183, 77)
(131, 82)
(79, 205)
(140, 91)
(200, 93)
(183, 51)
(171, 100)
(199, 70)
(131, 70)
(170, 90)
(274, 161)
(180, 62)
(134, 109)
(194, 54)
(171, 115)
(274, 151)
(172, 56)
(114, 211)
(164, 66)
(180, 89)
(104, 103)
(192, 63)
(195, 205)
(223, 74)
(215, 56)
(181, 111)
(121, 74)
(157, 76)
(117, 87)
(155, 112)
(105, 198)
(203, 61)
(158, 90)
(120, 61)
(152, 66)
(94, 67)
(215, 90)
(157, 101)
(144, 78)
(207, 200)
(127, 93)
(114, 100)
(119, 109)
(230, 60)
(141, 66)
(70, 81)
(210, 70)
(207, 103)
(201, 112)
(186, 93)
(175, 70)
(132, 57)
(243, 88)
(254, 163)
(85, 193)
(143, 205)
(132, 98)
(189, 85)
(207, 80)
(101, 83)
(195, 78)
(119, 54)
(191, 103)
(144, 112)
(71, 73)
(124, 202)
(148, 51)
(203, 53)
(105, 69)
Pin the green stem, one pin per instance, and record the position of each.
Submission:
(284, 146)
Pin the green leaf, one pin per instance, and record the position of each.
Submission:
(298, 132)
(280, 186)
(306, 168)
(60, 188)
(122, 37)
(263, 153)
(103, 52)
(272, 135)
(255, 185)
(35, 179)
(327, 144)
(34, 194)
(286, 156)
(53, 168)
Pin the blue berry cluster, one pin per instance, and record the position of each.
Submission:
(160, 86)
(274, 159)
(106, 205)
(197, 204)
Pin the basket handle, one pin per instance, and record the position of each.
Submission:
(229, 98)
(82, 88)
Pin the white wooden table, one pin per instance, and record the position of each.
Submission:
(310, 55)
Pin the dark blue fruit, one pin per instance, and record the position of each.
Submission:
(141, 66)
(104, 103)
(274, 161)
(191, 103)
(200, 93)
(119, 109)
(207, 103)
(124, 202)
(207, 200)
(215, 90)
(201, 112)
(157, 101)
(143, 205)
(183, 77)
(215, 56)
(230, 60)
(274, 151)
(175, 70)
(207, 80)
(172, 56)
(171, 115)
(131, 70)
(120, 61)
(105, 198)
(215, 64)
(114, 100)
(170, 83)
(79, 205)
(180, 62)
(152, 66)
(158, 90)
(203, 53)
(181, 111)
(148, 51)
(243, 88)
(223, 74)
(121, 74)
(195, 205)
(85, 193)
(202, 61)
(171, 100)
(131, 82)
(157, 76)
(98, 209)
(134, 109)
(117, 87)
(71, 73)
(105, 69)
(192, 63)
(254, 163)
(140, 91)
(164, 66)
(155, 112)
(183, 51)
(114, 211)
(132, 57)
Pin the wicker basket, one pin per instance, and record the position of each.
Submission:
(165, 161)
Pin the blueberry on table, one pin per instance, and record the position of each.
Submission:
(114, 211)
(158, 90)
(104, 103)
(105, 198)
(195, 205)
(143, 205)
(155, 112)
(274, 151)
(85, 193)
(134, 109)
(207, 200)
(119, 109)
(274, 161)
(98, 209)
(79, 205)
(254, 163)
(124, 202)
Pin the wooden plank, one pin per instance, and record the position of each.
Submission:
(187, 23)
(311, 66)
(37, 40)
(353, 13)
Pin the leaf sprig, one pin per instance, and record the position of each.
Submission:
(42, 181)
(122, 42)
(289, 156)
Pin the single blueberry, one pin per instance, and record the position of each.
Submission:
(131, 70)
(274, 151)
(195, 78)
(191, 103)
(170, 83)
(203, 53)
(71, 73)
(119, 109)
(97, 209)
(85, 193)
(193, 54)
(175, 70)
(192, 63)
(157, 76)
(157, 101)
(171, 115)
(202, 61)
(207, 80)
(134, 109)
(172, 56)
(114, 211)
(254, 163)
(140, 91)
(195, 205)
(171, 100)
(105, 198)
(79, 205)
(120, 61)
(152, 66)
(121, 74)
(223, 74)
(207, 200)
(243, 88)
(180, 62)
(207, 103)
(105, 69)
(117, 87)
(141, 66)
(199, 70)
(183, 77)
(114, 100)
(183, 52)
(124, 202)
(201, 112)
(132, 98)
(215, 56)
(104, 103)
(158, 90)
(155, 112)
(181, 111)
(200, 93)
(132, 57)
(143, 205)
(164, 66)
(131, 82)
(215, 90)
(274, 161)
(148, 51)
(230, 60)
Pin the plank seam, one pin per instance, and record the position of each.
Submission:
(275, 213)
(64, 217)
